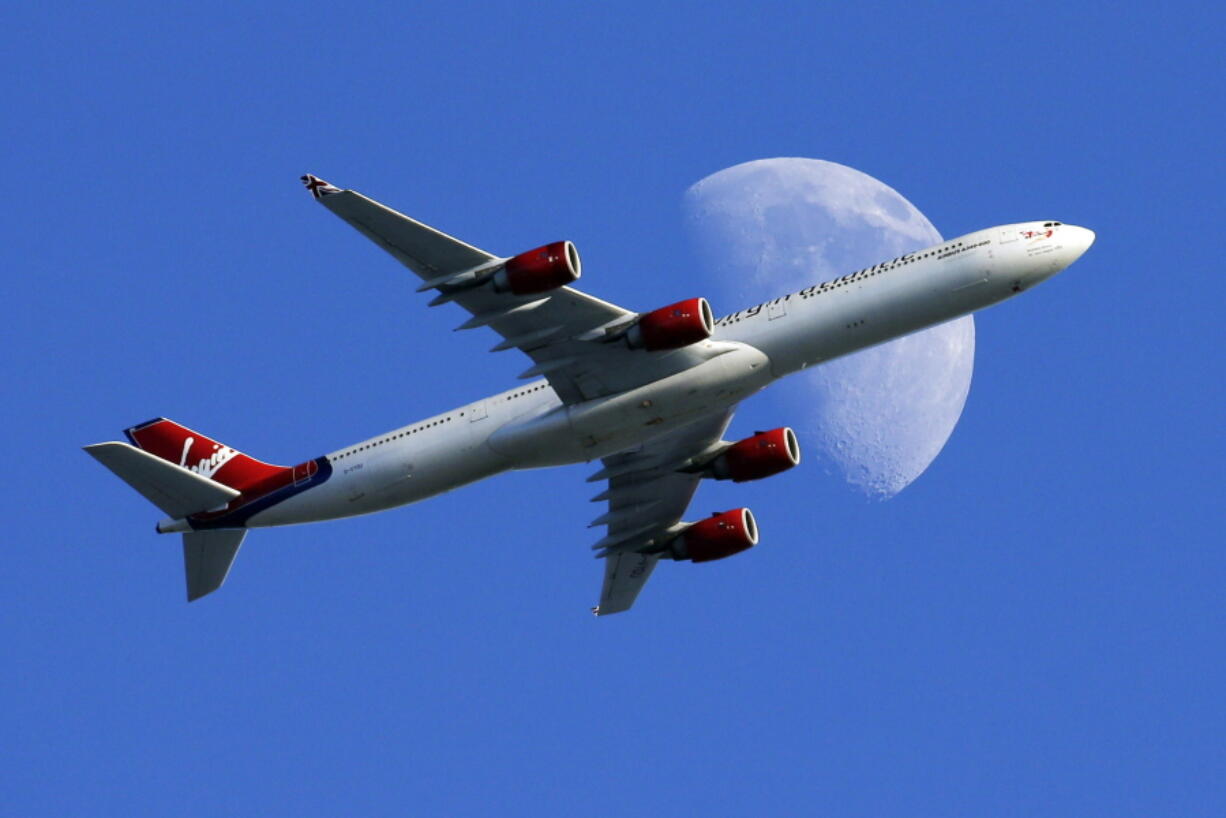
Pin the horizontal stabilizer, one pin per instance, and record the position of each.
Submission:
(173, 489)
(207, 557)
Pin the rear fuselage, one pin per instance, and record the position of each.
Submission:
(529, 427)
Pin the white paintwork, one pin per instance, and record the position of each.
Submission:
(175, 490)
(529, 427)
(207, 557)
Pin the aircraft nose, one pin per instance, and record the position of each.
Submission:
(1077, 241)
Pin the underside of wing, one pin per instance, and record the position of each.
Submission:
(648, 492)
(576, 341)
(625, 575)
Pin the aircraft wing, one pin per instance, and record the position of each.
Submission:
(647, 495)
(560, 330)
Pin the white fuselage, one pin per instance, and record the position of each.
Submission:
(529, 427)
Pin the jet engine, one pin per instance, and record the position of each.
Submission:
(672, 327)
(718, 536)
(763, 455)
(540, 270)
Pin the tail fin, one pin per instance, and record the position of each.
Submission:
(201, 455)
(186, 475)
(207, 557)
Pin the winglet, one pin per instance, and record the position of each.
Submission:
(318, 187)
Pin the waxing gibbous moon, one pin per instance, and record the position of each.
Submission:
(880, 416)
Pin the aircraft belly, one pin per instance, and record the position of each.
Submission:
(401, 475)
(594, 429)
(322, 502)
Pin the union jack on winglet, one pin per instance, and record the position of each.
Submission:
(318, 187)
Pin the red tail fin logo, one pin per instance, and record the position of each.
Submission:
(207, 458)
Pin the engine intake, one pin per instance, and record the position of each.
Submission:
(718, 536)
(763, 455)
(540, 270)
(672, 327)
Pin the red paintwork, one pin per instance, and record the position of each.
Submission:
(763, 455)
(169, 441)
(543, 269)
(677, 325)
(721, 535)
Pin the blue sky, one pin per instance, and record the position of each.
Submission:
(1034, 627)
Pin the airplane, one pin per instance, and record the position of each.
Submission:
(650, 395)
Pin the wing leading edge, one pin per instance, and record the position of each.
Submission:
(563, 330)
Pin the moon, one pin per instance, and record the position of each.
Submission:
(880, 416)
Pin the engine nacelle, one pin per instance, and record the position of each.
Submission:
(672, 327)
(540, 270)
(718, 536)
(762, 455)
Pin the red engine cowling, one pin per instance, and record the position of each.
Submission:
(540, 270)
(716, 537)
(675, 326)
(762, 455)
